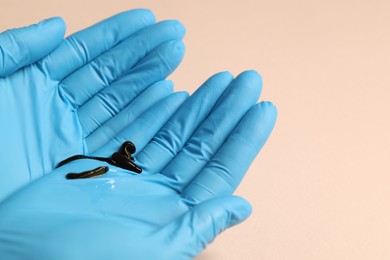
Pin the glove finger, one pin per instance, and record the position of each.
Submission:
(139, 105)
(86, 82)
(24, 46)
(84, 46)
(156, 66)
(241, 95)
(226, 169)
(189, 235)
(145, 127)
(171, 139)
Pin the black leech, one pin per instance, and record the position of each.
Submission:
(121, 159)
(88, 174)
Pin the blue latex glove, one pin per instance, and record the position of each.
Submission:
(172, 210)
(55, 106)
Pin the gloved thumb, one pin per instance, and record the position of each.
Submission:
(24, 46)
(194, 230)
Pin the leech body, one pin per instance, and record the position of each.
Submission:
(126, 163)
(80, 156)
(117, 159)
(88, 174)
(121, 159)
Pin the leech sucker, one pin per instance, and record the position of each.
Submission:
(88, 174)
(127, 149)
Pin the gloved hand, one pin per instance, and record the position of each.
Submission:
(62, 105)
(174, 208)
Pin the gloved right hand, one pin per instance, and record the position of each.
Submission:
(66, 103)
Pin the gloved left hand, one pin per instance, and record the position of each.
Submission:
(174, 208)
(62, 105)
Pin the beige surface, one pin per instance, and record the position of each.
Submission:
(320, 188)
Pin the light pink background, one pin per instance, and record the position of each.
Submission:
(320, 188)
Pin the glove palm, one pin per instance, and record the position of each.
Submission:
(172, 210)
